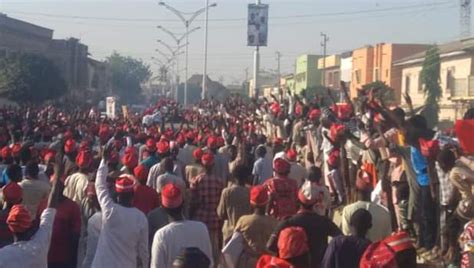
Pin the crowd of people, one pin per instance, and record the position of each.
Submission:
(286, 182)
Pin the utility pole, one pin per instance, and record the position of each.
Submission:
(324, 46)
(204, 73)
(256, 64)
(278, 58)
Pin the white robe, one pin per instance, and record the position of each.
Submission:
(170, 240)
(123, 241)
(32, 253)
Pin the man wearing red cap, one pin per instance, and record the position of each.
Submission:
(66, 231)
(195, 168)
(316, 227)
(123, 240)
(30, 248)
(168, 176)
(255, 228)
(234, 201)
(297, 171)
(282, 191)
(185, 155)
(70, 155)
(292, 250)
(169, 241)
(221, 162)
(12, 195)
(34, 189)
(144, 197)
(75, 185)
(206, 191)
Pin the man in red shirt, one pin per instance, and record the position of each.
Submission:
(12, 195)
(66, 231)
(145, 198)
(282, 191)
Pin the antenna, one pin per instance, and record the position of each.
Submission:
(465, 18)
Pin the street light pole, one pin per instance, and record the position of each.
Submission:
(204, 73)
(187, 23)
(256, 64)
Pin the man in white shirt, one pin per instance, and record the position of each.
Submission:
(76, 184)
(168, 176)
(123, 241)
(185, 155)
(262, 168)
(30, 248)
(170, 240)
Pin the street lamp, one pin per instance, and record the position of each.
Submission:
(204, 73)
(187, 23)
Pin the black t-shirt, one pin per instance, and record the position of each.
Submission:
(317, 228)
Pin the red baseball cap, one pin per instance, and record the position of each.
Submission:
(12, 193)
(280, 165)
(258, 196)
(19, 219)
(171, 196)
(307, 194)
(291, 155)
(207, 159)
(84, 159)
(197, 154)
(124, 183)
(70, 146)
(141, 172)
(292, 242)
(163, 146)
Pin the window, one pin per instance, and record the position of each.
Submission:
(420, 83)
(376, 74)
(450, 80)
(407, 84)
(357, 76)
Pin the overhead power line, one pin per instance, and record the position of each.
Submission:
(341, 13)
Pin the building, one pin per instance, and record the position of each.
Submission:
(374, 63)
(17, 35)
(69, 55)
(346, 68)
(307, 75)
(99, 77)
(330, 71)
(265, 79)
(456, 78)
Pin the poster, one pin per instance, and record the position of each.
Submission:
(110, 107)
(257, 30)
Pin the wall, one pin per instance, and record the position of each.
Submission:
(460, 68)
(362, 68)
(346, 69)
(307, 74)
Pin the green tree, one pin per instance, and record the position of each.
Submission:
(432, 89)
(127, 75)
(382, 91)
(27, 78)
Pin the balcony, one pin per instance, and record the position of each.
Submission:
(463, 88)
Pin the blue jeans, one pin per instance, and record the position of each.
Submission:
(427, 207)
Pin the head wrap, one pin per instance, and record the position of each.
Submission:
(281, 165)
(124, 183)
(207, 159)
(258, 196)
(12, 193)
(171, 196)
(292, 242)
(19, 219)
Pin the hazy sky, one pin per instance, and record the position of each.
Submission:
(129, 27)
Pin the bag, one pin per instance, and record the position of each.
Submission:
(233, 249)
(429, 148)
(465, 209)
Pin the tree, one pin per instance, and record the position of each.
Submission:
(30, 78)
(127, 75)
(432, 89)
(382, 91)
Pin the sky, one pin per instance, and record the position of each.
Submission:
(130, 28)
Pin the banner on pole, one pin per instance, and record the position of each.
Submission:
(110, 107)
(257, 26)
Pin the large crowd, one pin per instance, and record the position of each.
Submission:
(281, 182)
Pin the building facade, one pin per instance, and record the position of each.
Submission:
(330, 68)
(69, 55)
(307, 75)
(375, 63)
(456, 78)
